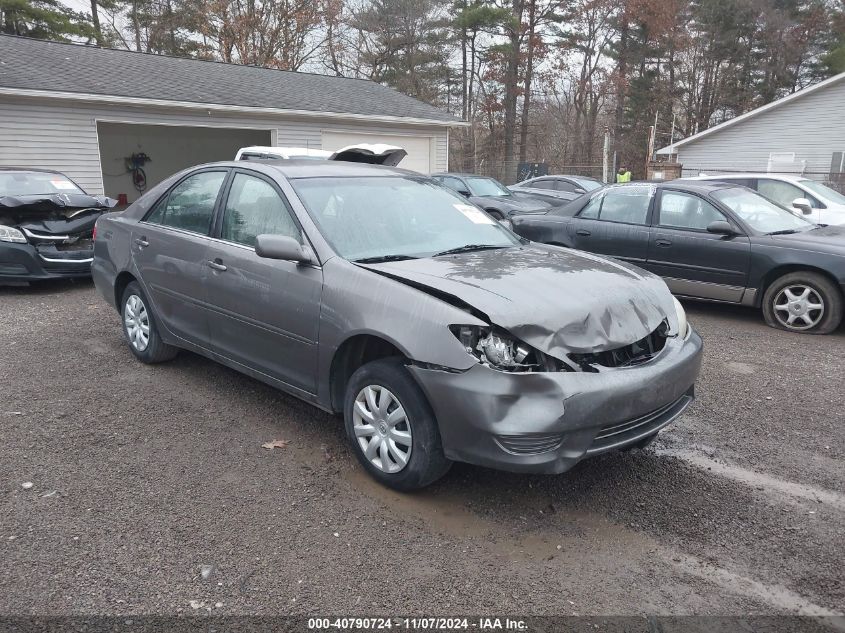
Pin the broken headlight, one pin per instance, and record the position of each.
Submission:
(499, 350)
(9, 234)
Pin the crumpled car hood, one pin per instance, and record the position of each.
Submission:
(54, 214)
(560, 301)
(66, 202)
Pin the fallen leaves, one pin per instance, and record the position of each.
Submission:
(275, 444)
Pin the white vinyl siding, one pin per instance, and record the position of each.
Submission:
(811, 126)
(63, 136)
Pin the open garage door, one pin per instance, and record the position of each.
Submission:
(419, 150)
(170, 148)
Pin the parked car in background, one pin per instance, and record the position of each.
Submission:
(815, 201)
(563, 187)
(369, 291)
(492, 196)
(46, 225)
(373, 153)
(711, 241)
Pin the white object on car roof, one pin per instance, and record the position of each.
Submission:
(372, 153)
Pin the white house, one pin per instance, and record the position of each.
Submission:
(84, 110)
(802, 133)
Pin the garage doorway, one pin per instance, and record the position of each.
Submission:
(170, 148)
(418, 147)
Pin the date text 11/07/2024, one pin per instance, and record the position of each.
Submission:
(417, 624)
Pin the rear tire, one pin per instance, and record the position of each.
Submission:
(141, 328)
(392, 427)
(804, 302)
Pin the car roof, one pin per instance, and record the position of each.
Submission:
(695, 186)
(303, 168)
(461, 174)
(35, 170)
(793, 177)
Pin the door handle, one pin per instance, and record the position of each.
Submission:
(217, 264)
(663, 242)
(142, 241)
(583, 232)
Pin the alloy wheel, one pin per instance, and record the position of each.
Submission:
(137, 321)
(798, 307)
(382, 428)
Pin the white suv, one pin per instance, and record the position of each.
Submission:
(813, 200)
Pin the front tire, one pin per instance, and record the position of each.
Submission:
(392, 428)
(140, 327)
(803, 302)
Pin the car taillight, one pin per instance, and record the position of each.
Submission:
(94, 233)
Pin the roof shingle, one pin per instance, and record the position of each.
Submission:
(54, 66)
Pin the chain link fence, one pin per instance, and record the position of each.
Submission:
(510, 172)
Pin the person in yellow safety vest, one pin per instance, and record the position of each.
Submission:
(623, 175)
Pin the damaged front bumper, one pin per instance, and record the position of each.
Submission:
(545, 422)
(26, 262)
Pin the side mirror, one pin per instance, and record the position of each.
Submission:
(579, 190)
(464, 193)
(281, 247)
(803, 205)
(721, 227)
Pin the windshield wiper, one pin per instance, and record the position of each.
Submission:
(378, 259)
(467, 248)
(784, 232)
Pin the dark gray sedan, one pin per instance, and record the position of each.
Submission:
(372, 291)
(711, 241)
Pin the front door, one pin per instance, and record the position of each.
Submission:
(263, 313)
(169, 249)
(693, 261)
(615, 222)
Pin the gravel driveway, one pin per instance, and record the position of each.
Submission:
(130, 489)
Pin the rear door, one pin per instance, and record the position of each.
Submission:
(263, 313)
(615, 222)
(169, 249)
(692, 261)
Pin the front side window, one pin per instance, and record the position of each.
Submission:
(685, 211)
(565, 185)
(760, 213)
(190, 204)
(395, 216)
(255, 208)
(784, 193)
(542, 184)
(453, 183)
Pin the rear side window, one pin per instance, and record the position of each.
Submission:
(254, 208)
(190, 204)
(627, 204)
(684, 211)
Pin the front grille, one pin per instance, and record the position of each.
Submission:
(634, 354)
(529, 443)
(621, 433)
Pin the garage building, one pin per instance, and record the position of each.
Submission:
(86, 111)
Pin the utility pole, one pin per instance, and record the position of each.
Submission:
(604, 155)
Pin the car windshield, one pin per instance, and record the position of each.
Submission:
(33, 183)
(587, 184)
(760, 213)
(486, 187)
(396, 217)
(824, 191)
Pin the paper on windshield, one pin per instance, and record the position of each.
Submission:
(474, 215)
(62, 184)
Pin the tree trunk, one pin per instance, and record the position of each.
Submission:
(95, 18)
(529, 71)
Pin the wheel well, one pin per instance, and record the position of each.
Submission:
(123, 280)
(352, 354)
(776, 273)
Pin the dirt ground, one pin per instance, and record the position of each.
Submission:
(150, 492)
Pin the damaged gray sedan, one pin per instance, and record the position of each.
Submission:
(376, 293)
